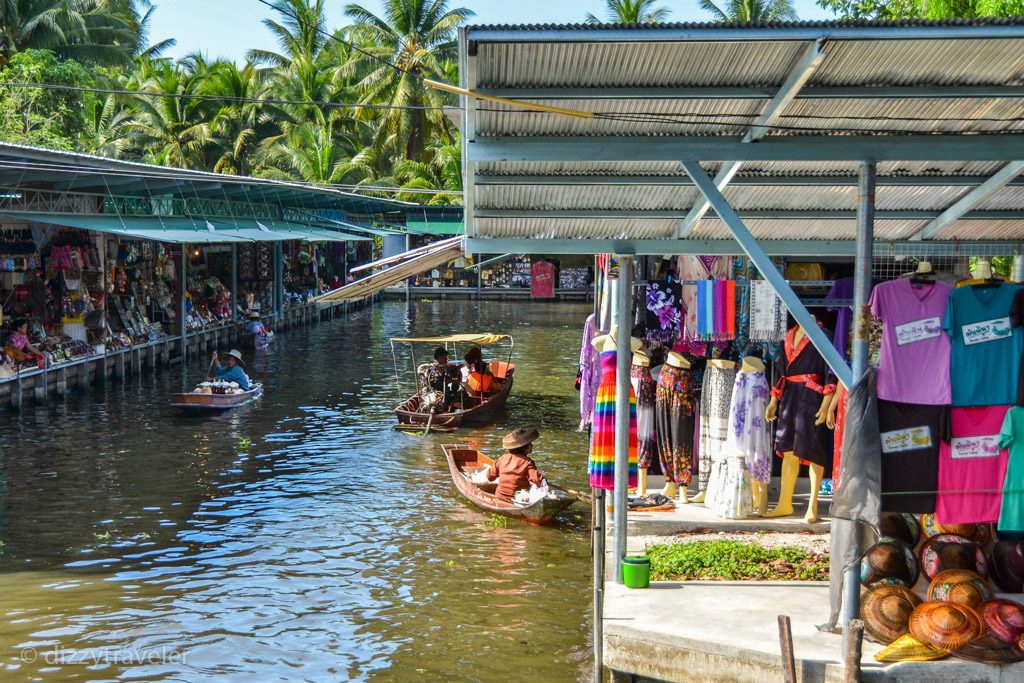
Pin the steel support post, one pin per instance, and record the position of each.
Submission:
(278, 279)
(769, 272)
(182, 326)
(859, 356)
(622, 387)
(234, 281)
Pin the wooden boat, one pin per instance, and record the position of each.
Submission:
(212, 402)
(478, 409)
(463, 458)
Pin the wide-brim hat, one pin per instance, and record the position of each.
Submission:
(909, 649)
(890, 558)
(254, 315)
(1004, 619)
(901, 525)
(945, 624)
(886, 609)
(237, 355)
(520, 438)
(950, 551)
(1006, 565)
(961, 586)
(976, 532)
(990, 650)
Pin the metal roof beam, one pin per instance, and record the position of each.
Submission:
(738, 181)
(764, 214)
(486, 245)
(798, 76)
(998, 147)
(760, 93)
(962, 207)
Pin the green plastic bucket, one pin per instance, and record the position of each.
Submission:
(636, 571)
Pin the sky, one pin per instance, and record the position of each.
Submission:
(229, 28)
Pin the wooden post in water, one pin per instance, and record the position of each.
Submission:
(786, 644)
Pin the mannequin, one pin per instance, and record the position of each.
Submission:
(601, 466)
(606, 342)
(983, 269)
(760, 490)
(645, 389)
(678, 364)
(716, 397)
(790, 460)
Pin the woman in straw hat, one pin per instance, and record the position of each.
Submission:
(233, 372)
(516, 470)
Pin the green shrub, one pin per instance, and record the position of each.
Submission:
(728, 560)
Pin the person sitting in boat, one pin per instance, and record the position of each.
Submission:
(476, 374)
(443, 378)
(516, 470)
(233, 372)
(255, 326)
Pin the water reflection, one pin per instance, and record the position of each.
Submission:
(327, 547)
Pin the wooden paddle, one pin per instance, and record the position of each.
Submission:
(579, 494)
(209, 370)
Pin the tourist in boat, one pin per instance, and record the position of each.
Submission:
(233, 372)
(443, 377)
(476, 374)
(516, 470)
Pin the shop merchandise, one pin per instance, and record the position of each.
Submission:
(767, 313)
(907, 648)
(948, 551)
(889, 561)
(693, 268)
(645, 389)
(1011, 436)
(799, 391)
(911, 434)
(914, 364)
(1006, 565)
(663, 305)
(972, 466)
(716, 398)
(675, 422)
(985, 344)
(716, 310)
(885, 610)
(749, 434)
(842, 289)
(589, 372)
(961, 586)
(945, 625)
(602, 437)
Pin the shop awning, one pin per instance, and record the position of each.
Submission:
(298, 231)
(360, 228)
(174, 230)
(428, 227)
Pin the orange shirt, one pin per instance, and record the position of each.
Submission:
(514, 473)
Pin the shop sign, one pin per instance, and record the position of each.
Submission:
(918, 330)
(975, 447)
(910, 439)
(986, 331)
(542, 280)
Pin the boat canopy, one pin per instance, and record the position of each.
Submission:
(470, 338)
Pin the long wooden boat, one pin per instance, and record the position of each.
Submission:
(462, 458)
(480, 412)
(194, 401)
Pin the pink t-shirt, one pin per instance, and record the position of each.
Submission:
(914, 360)
(17, 340)
(972, 466)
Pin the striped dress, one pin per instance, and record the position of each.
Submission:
(602, 436)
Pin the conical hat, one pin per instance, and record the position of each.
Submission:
(901, 525)
(945, 624)
(976, 532)
(889, 558)
(886, 610)
(909, 649)
(1006, 565)
(961, 586)
(1004, 619)
(990, 650)
(950, 551)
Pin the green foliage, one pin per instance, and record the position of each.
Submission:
(930, 9)
(753, 11)
(734, 561)
(497, 521)
(632, 12)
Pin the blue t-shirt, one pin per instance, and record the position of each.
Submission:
(235, 374)
(987, 347)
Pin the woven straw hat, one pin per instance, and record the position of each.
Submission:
(520, 437)
(950, 551)
(990, 650)
(976, 532)
(961, 586)
(886, 610)
(909, 649)
(901, 525)
(1006, 565)
(1004, 619)
(945, 624)
(890, 558)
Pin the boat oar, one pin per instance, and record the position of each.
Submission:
(429, 421)
(579, 494)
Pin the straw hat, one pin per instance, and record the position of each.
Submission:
(945, 624)
(1006, 565)
(901, 525)
(990, 650)
(885, 610)
(909, 649)
(961, 586)
(520, 437)
(976, 532)
(254, 315)
(889, 558)
(237, 355)
(1004, 619)
(950, 551)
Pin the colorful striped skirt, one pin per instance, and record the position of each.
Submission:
(602, 436)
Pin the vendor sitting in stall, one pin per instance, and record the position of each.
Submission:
(233, 372)
(19, 348)
(516, 470)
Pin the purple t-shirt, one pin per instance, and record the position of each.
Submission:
(842, 289)
(914, 363)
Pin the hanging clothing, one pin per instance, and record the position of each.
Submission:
(985, 344)
(972, 466)
(802, 383)
(716, 397)
(733, 497)
(663, 304)
(914, 345)
(674, 423)
(767, 313)
(716, 310)
(838, 436)
(842, 289)
(645, 389)
(693, 268)
(1011, 436)
(590, 372)
(910, 435)
(749, 433)
(602, 437)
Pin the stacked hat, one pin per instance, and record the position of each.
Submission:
(909, 649)
(981, 533)
(1006, 565)
(889, 560)
(951, 551)
(961, 586)
(945, 625)
(886, 609)
(1004, 624)
(901, 525)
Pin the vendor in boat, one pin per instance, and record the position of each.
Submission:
(233, 372)
(476, 374)
(516, 470)
(444, 377)
(255, 326)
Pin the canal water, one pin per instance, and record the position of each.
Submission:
(299, 538)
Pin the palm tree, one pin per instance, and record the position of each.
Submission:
(89, 31)
(631, 12)
(240, 123)
(751, 11)
(109, 131)
(415, 39)
(443, 172)
(314, 153)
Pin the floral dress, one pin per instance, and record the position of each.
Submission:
(716, 398)
(749, 433)
(664, 311)
(674, 423)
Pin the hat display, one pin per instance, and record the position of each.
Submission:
(1004, 619)
(890, 558)
(961, 586)
(950, 551)
(1006, 565)
(520, 438)
(909, 649)
(976, 532)
(901, 525)
(885, 610)
(990, 650)
(237, 355)
(945, 624)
